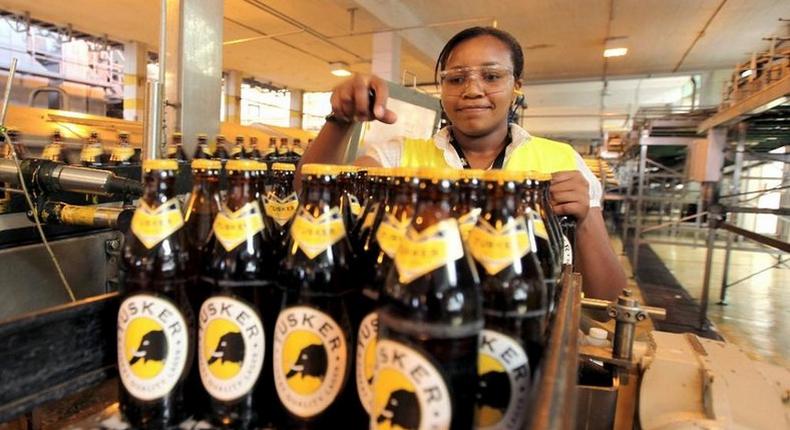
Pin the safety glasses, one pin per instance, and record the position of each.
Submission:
(492, 79)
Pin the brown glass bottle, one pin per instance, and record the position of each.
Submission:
(238, 150)
(124, 153)
(251, 149)
(203, 150)
(350, 207)
(280, 205)
(202, 207)
(220, 151)
(270, 154)
(92, 153)
(155, 319)
(282, 150)
(514, 303)
(430, 320)
(552, 221)
(175, 150)
(469, 199)
(313, 340)
(232, 352)
(376, 188)
(54, 150)
(543, 237)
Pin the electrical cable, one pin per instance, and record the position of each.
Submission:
(33, 209)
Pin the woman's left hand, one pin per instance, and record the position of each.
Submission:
(570, 194)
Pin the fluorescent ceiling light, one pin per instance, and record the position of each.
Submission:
(746, 73)
(614, 52)
(340, 69)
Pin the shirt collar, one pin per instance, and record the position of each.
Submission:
(442, 141)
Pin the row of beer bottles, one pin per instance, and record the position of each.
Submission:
(92, 153)
(430, 308)
(278, 150)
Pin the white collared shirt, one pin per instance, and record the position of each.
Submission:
(388, 154)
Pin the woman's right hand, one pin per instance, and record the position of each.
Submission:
(350, 99)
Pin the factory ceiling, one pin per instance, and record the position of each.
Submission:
(564, 39)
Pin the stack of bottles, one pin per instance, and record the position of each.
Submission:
(412, 298)
(280, 150)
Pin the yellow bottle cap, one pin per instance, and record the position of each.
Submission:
(160, 164)
(283, 167)
(498, 175)
(472, 173)
(405, 172)
(320, 169)
(438, 173)
(244, 165)
(379, 171)
(347, 168)
(203, 164)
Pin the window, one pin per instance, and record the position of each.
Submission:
(265, 105)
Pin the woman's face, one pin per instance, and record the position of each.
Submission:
(475, 108)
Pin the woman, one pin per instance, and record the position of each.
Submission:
(479, 72)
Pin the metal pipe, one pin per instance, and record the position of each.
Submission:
(703, 315)
(152, 129)
(639, 207)
(759, 238)
(667, 224)
(7, 92)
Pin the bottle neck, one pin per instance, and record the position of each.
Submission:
(435, 203)
(241, 189)
(320, 190)
(206, 182)
(159, 187)
(503, 200)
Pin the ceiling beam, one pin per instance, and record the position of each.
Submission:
(396, 14)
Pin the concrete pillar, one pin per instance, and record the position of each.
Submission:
(134, 77)
(233, 96)
(193, 81)
(386, 56)
(296, 110)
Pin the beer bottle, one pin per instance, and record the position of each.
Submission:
(203, 149)
(202, 207)
(175, 150)
(92, 154)
(514, 303)
(220, 151)
(280, 203)
(545, 248)
(238, 150)
(15, 137)
(394, 215)
(313, 337)
(562, 245)
(123, 154)
(252, 150)
(349, 203)
(54, 150)
(231, 349)
(430, 320)
(155, 319)
(376, 187)
(270, 154)
(282, 150)
(469, 200)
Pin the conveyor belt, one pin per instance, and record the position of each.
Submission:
(661, 289)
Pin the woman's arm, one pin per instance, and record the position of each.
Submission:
(350, 102)
(602, 276)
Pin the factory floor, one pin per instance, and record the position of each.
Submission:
(757, 316)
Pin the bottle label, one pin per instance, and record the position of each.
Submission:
(370, 217)
(91, 153)
(207, 150)
(152, 346)
(310, 359)
(353, 203)
(366, 359)
(152, 225)
(567, 251)
(281, 210)
(408, 390)
(171, 150)
(315, 235)
(497, 247)
(52, 152)
(539, 226)
(390, 232)
(235, 150)
(121, 153)
(423, 252)
(503, 384)
(232, 229)
(231, 347)
(467, 221)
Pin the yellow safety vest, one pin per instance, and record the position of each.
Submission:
(539, 154)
